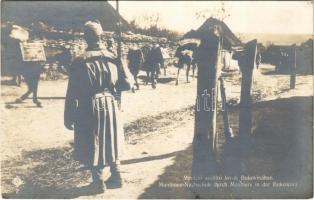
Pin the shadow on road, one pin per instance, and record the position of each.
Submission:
(49, 173)
(149, 158)
(281, 148)
(51, 98)
(161, 80)
(8, 82)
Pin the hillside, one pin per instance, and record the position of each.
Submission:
(274, 38)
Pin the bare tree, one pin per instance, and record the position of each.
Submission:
(151, 20)
(220, 12)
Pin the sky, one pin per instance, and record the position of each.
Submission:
(290, 17)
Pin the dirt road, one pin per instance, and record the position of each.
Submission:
(36, 148)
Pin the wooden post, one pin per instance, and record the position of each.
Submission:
(224, 110)
(293, 67)
(247, 66)
(205, 108)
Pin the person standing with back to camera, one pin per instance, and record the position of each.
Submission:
(91, 109)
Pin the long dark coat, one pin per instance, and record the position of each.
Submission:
(92, 107)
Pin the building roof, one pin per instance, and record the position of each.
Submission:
(228, 36)
(64, 15)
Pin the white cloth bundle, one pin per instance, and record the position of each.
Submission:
(19, 33)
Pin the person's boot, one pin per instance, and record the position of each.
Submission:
(97, 187)
(115, 180)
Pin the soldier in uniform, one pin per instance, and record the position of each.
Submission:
(91, 109)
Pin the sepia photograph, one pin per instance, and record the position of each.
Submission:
(156, 99)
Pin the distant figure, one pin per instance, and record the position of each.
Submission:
(30, 70)
(258, 59)
(92, 110)
(153, 60)
(184, 59)
(135, 61)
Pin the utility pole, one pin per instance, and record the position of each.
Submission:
(293, 66)
(118, 33)
(119, 57)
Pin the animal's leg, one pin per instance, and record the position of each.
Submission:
(133, 86)
(157, 71)
(136, 82)
(178, 73)
(147, 77)
(188, 72)
(27, 93)
(153, 75)
(23, 97)
(193, 69)
(34, 88)
(165, 71)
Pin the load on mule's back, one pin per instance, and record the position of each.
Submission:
(135, 62)
(153, 60)
(23, 57)
(186, 56)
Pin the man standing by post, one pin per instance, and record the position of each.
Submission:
(91, 106)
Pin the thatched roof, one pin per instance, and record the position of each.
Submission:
(229, 37)
(64, 15)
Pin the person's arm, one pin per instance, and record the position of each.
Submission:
(70, 103)
(125, 78)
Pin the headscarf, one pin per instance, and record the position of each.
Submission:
(92, 27)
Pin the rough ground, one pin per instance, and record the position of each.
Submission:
(36, 148)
